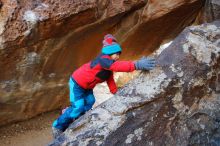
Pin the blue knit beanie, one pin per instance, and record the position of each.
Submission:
(110, 46)
(111, 49)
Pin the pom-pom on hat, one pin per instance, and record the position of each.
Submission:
(109, 40)
(110, 46)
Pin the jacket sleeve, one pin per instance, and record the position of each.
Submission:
(111, 84)
(122, 66)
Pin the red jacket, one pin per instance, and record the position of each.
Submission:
(99, 70)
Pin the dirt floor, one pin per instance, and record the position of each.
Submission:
(37, 131)
(33, 132)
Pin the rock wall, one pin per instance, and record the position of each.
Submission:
(210, 12)
(42, 42)
(175, 104)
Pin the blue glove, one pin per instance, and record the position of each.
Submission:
(145, 63)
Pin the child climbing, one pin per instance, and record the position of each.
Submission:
(85, 78)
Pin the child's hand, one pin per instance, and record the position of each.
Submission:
(145, 63)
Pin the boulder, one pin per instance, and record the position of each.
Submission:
(175, 104)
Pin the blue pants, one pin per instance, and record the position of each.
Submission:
(81, 100)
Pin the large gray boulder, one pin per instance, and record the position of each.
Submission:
(175, 104)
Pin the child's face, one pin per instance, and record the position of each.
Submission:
(115, 56)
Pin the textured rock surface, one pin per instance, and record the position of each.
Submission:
(175, 104)
(210, 12)
(42, 42)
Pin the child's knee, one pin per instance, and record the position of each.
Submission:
(90, 100)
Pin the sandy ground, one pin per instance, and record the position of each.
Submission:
(37, 131)
(33, 132)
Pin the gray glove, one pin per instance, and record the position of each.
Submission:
(145, 63)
